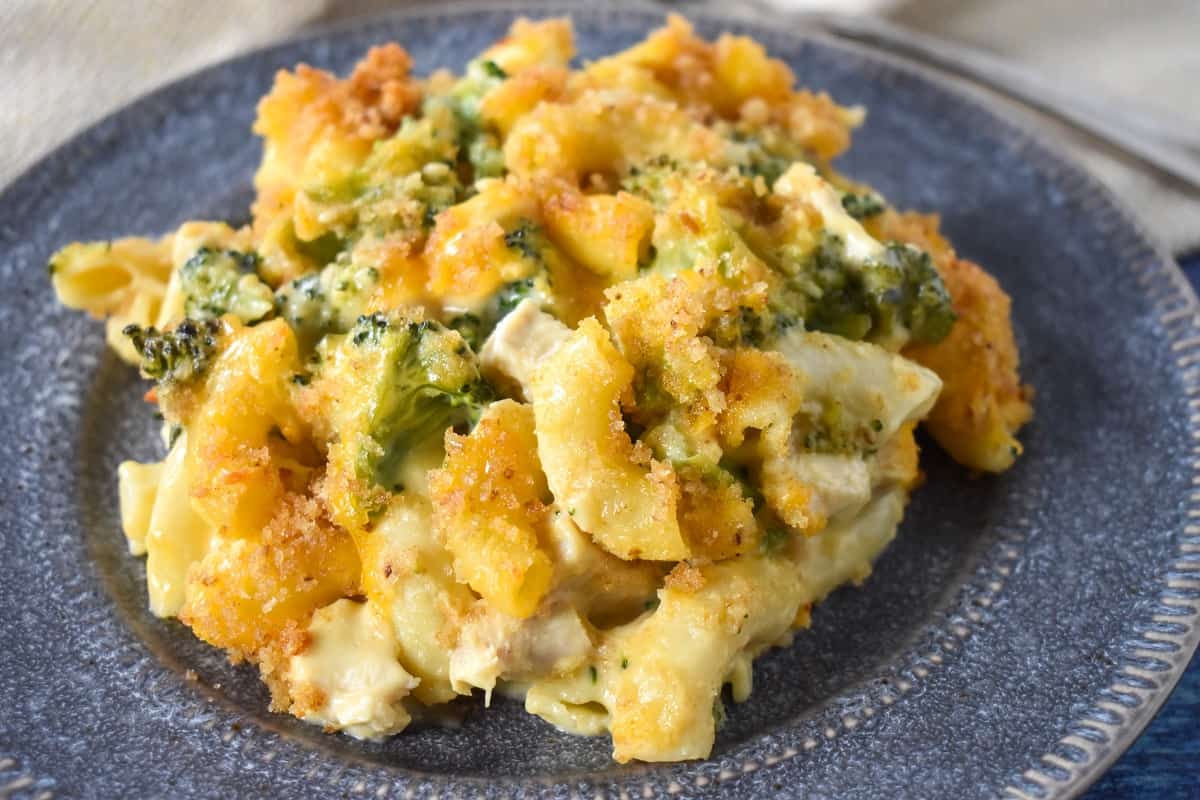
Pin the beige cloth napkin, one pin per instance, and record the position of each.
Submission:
(1141, 55)
(69, 62)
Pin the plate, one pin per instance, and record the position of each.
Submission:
(1014, 639)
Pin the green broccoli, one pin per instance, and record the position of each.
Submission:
(832, 430)
(510, 296)
(322, 250)
(471, 328)
(862, 206)
(475, 328)
(176, 356)
(402, 185)
(650, 179)
(493, 70)
(479, 144)
(672, 442)
(425, 379)
(453, 120)
(765, 152)
(907, 275)
(764, 164)
(900, 289)
(427, 190)
(755, 327)
(218, 282)
(328, 301)
(526, 239)
(892, 298)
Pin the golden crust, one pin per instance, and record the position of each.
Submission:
(489, 507)
(983, 402)
(304, 104)
(684, 577)
(251, 593)
(243, 454)
(730, 78)
(717, 521)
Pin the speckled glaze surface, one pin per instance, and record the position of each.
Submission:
(1012, 641)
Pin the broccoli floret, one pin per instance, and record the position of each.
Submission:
(511, 295)
(526, 239)
(477, 144)
(176, 356)
(402, 185)
(329, 301)
(841, 304)
(761, 163)
(900, 288)
(475, 328)
(425, 379)
(755, 327)
(672, 440)
(832, 430)
(408, 180)
(765, 152)
(218, 282)
(892, 298)
(485, 156)
(906, 279)
(650, 180)
(493, 70)
(862, 206)
(304, 305)
(440, 188)
(769, 168)
(471, 327)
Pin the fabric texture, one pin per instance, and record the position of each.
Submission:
(1139, 55)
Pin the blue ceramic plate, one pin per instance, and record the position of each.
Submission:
(1013, 641)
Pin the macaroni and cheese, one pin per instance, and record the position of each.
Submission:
(578, 383)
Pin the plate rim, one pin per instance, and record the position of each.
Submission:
(1176, 310)
(1053, 155)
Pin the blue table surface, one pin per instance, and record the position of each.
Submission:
(1164, 764)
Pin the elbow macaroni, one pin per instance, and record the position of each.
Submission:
(623, 498)
(123, 281)
(654, 467)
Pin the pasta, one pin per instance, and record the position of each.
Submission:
(579, 384)
(124, 281)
